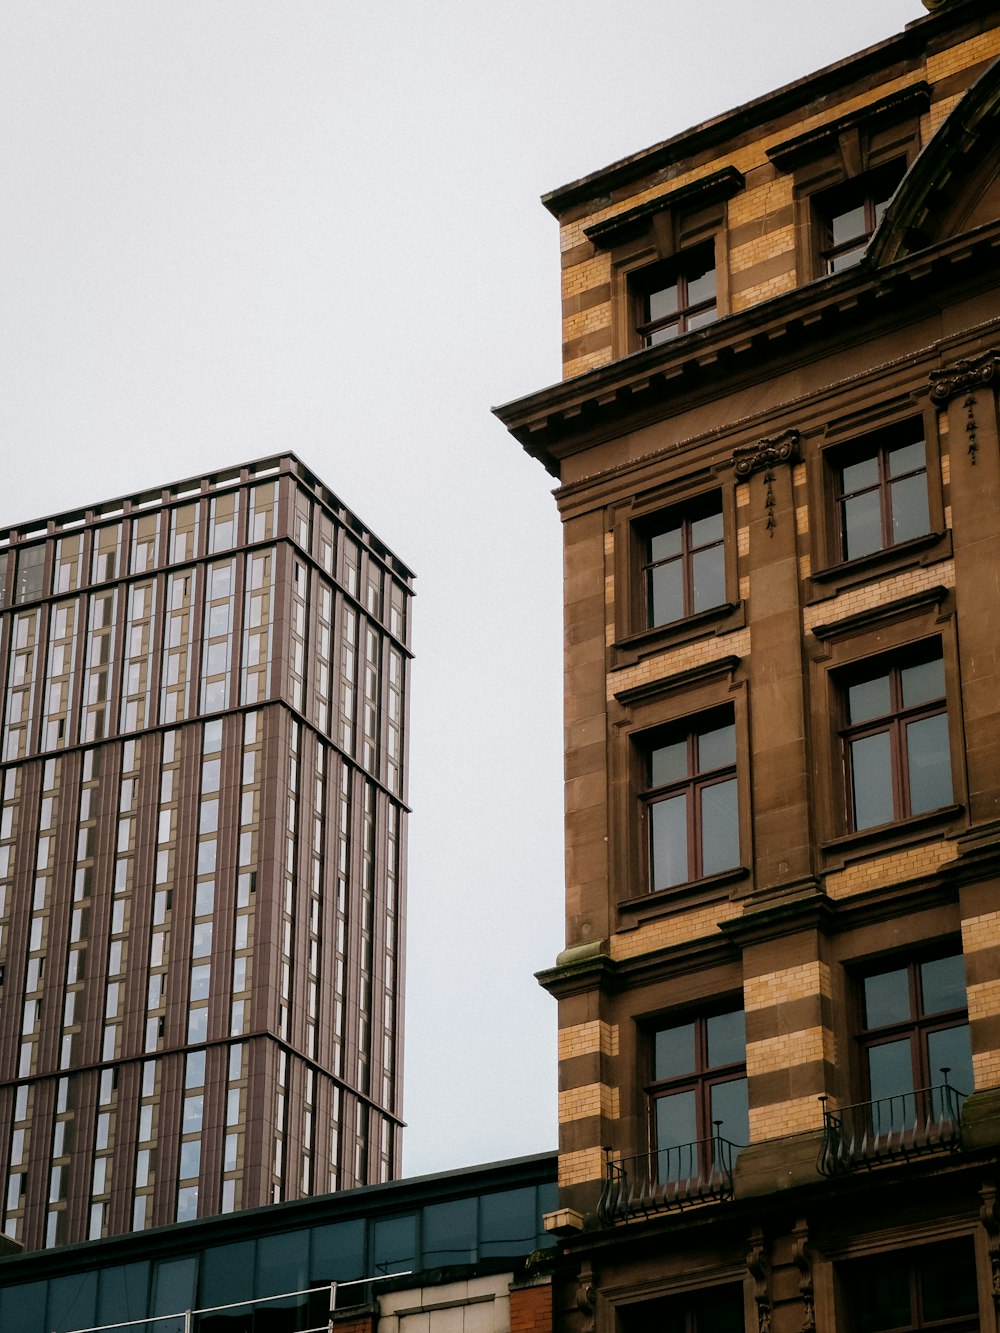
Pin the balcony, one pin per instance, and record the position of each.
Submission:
(658, 1182)
(891, 1129)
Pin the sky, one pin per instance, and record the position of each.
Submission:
(229, 229)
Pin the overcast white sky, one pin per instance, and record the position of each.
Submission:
(228, 229)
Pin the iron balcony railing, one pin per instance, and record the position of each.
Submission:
(910, 1124)
(667, 1178)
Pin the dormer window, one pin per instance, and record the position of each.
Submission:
(850, 213)
(676, 296)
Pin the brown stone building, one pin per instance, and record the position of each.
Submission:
(778, 459)
(202, 851)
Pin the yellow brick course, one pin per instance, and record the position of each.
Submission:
(609, 543)
(986, 1069)
(595, 1099)
(576, 1167)
(872, 595)
(790, 1049)
(745, 587)
(679, 929)
(679, 659)
(742, 494)
(984, 1000)
(802, 519)
(593, 1038)
(581, 364)
(897, 868)
(587, 321)
(764, 291)
(981, 932)
(786, 984)
(946, 469)
(805, 567)
(981, 47)
(781, 1118)
(760, 202)
(799, 474)
(768, 246)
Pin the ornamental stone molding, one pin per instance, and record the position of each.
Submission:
(766, 453)
(974, 372)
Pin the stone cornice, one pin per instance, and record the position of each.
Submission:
(696, 194)
(804, 147)
(560, 420)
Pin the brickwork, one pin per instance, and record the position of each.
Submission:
(681, 928)
(786, 984)
(986, 1069)
(576, 1168)
(872, 595)
(595, 1038)
(894, 869)
(791, 1048)
(531, 1308)
(700, 653)
(593, 1099)
(782, 1118)
(981, 932)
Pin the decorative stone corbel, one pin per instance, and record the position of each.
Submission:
(765, 455)
(802, 1258)
(965, 377)
(586, 1301)
(989, 1216)
(759, 1267)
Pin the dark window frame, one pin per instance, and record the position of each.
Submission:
(679, 270)
(681, 519)
(701, 1080)
(691, 786)
(916, 1027)
(912, 1266)
(870, 191)
(894, 724)
(878, 446)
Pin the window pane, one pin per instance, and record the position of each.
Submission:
(507, 1222)
(669, 844)
(887, 999)
(922, 682)
(717, 748)
(663, 334)
(883, 1298)
(843, 226)
(868, 699)
(862, 525)
(910, 514)
(948, 1287)
(720, 834)
(890, 1073)
(663, 302)
(669, 764)
(860, 475)
(942, 983)
(907, 458)
(664, 545)
(871, 772)
(673, 1052)
(449, 1233)
(727, 1041)
(929, 763)
(729, 1104)
(701, 284)
(675, 1121)
(701, 318)
(394, 1244)
(951, 1049)
(666, 593)
(706, 529)
(708, 575)
(847, 258)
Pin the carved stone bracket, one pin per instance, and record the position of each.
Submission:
(586, 1302)
(965, 376)
(989, 1215)
(767, 454)
(802, 1258)
(759, 1267)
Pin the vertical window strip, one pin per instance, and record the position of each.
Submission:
(178, 641)
(297, 655)
(348, 674)
(258, 622)
(394, 722)
(61, 1150)
(121, 901)
(15, 1195)
(323, 656)
(104, 1146)
(10, 809)
(98, 679)
(373, 644)
(233, 1145)
(60, 675)
(22, 672)
(246, 874)
(189, 1165)
(217, 644)
(68, 572)
(146, 1151)
(74, 994)
(38, 922)
(262, 513)
(163, 892)
(140, 635)
(145, 543)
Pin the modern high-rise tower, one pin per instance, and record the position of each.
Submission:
(203, 698)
